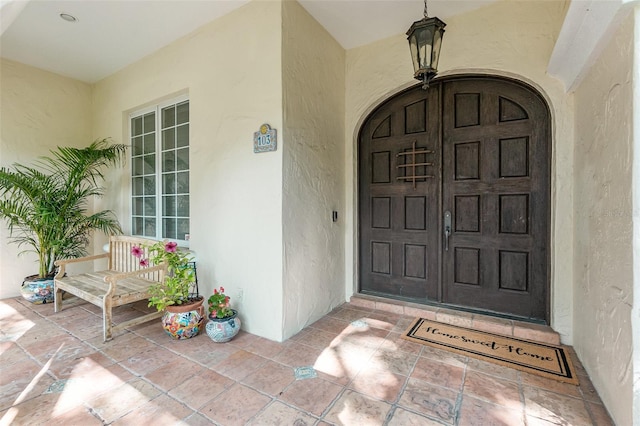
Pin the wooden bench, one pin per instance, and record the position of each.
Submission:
(124, 282)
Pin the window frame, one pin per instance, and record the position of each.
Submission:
(159, 172)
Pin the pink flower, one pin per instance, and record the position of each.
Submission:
(221, 289)
(144, 262)
(215, 291)
(136, 251)
(214, 313)
(171, 247)
(226, 300)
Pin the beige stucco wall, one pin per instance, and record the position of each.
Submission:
(233, 79)
(313, 70)
(39, 111)
(603, 224)
(511, 38)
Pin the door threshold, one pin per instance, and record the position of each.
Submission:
(475, 321)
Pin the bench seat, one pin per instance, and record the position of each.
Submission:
(124, 282)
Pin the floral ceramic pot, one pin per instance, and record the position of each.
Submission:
(223, 329)
(183, 321)
(37, 290)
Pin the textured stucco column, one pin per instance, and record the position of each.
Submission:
(635, 311)
(604, 222)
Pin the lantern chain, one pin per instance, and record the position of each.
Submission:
(426, 15)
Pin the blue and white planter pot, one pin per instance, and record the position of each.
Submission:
(37, 290)
(222, 330)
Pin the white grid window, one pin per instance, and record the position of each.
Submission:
(160, 171)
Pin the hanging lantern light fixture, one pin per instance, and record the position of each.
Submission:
(425, 39)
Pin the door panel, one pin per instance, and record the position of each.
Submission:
(399, 198)
(479, 149)
(495, 181)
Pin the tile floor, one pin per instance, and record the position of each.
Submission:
(55, 369)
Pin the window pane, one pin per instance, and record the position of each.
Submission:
(169, 184)
(137, 146)
(183, 228)
(149, 164)
(169, 228)
(149, 206)
(168, 206)
(169, 139)
(137, 166)
(150, 122)
(137, 186)
(136, 126)
(183, 206)
(150, 143)
(137, 206)
(137, 225)
(182, 137)
(182, 112)
(169, 161)
(149, 185)
(182, 183)
(149, 227)
(168, 117)
(183, 159)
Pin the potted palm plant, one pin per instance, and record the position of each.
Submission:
(184, 313)
(46, 208)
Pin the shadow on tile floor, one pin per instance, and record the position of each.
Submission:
(55, 369)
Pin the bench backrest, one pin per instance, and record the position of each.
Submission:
(122, 260)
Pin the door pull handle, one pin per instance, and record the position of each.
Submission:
(447, 229)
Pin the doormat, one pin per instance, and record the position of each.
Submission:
(542, 359)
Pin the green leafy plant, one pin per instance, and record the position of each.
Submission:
(46, 205)
(176, 287)
(219, 304)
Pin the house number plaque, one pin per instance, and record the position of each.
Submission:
(265, 139)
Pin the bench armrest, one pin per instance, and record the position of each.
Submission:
(80, 259)
(62, 263)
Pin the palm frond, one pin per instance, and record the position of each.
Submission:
(45, 206)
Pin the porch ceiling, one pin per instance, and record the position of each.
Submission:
(92, 48)
(110, 35)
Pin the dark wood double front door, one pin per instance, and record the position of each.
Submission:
(454, 197)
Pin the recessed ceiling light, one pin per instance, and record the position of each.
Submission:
(69, 18)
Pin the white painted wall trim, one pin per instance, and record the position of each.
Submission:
(587, 28)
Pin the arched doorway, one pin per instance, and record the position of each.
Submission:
(453, 197)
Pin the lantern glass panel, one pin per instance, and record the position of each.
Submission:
(437, 42)
(413, 45)
(424, 43)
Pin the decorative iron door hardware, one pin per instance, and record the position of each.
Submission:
(413, 164)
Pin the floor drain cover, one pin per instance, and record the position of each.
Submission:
(359, 324)
(57, 386)
(305, 373)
